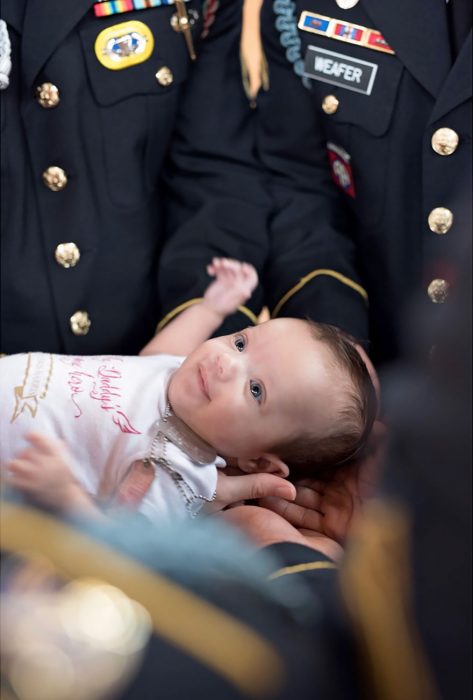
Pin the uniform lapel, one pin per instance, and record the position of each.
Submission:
(12, 12)
(418, 32)
(46, 24)
(457, 88)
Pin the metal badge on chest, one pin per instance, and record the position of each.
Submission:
(182, 22)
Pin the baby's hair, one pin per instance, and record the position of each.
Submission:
(312, 455)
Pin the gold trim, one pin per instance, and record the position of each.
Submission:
(254, 66)
(194, 625)
(299, 568)
(31, 401)
(317, 273)
(249, 314)
(182, 307)
(376, 584)
(169, 316)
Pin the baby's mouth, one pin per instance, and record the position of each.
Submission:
(203, 382)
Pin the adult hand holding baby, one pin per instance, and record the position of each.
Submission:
(322, 512)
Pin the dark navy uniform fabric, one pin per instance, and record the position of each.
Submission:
(110, 133)
(351, 252)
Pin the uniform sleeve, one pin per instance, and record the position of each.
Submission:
(216, 203)
(312, 267)
(302, 562)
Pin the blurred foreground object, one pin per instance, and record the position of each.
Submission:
(131, 611)
(407, 580)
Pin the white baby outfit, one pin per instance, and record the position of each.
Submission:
(106, 408)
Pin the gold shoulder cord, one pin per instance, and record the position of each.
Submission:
(254, 67)
(376, 586)
(184, 25)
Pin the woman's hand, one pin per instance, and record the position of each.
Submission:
(265, 527)
(329, 507)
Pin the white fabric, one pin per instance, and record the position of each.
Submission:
(5, 56)
(106, 409)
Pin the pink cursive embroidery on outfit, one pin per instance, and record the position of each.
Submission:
(107, 392)
(76, 379)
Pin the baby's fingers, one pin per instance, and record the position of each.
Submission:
(46, 446)
(20, 474)
(211, 270)
(250, 275)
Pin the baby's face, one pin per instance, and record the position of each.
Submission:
(247, 392)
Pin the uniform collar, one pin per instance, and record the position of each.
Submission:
(418, 32)
(46, 23)
(458, 87)
(12, 13)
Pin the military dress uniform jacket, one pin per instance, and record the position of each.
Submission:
(87, 120)
(366, 129)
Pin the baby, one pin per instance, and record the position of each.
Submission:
(151, 431)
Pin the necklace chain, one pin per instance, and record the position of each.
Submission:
(158, 457)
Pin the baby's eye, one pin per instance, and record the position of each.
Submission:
(256, 390)
(239, 342)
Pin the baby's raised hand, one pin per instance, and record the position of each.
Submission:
(233, 285)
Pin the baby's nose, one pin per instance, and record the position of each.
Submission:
(226, 366)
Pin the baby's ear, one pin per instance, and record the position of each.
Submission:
(269, 463)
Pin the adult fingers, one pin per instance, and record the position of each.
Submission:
(298, 516)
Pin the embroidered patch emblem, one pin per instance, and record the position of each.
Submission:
(333, 28)
(339, 69)
(124, 45)
(340, 167)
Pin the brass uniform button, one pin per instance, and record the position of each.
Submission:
(164, 76)
(440, 220)
(438, 291)
(67, 254)
(330, 104)
(445, 141)
(55, 178)
(47, 95)
(80, 323)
